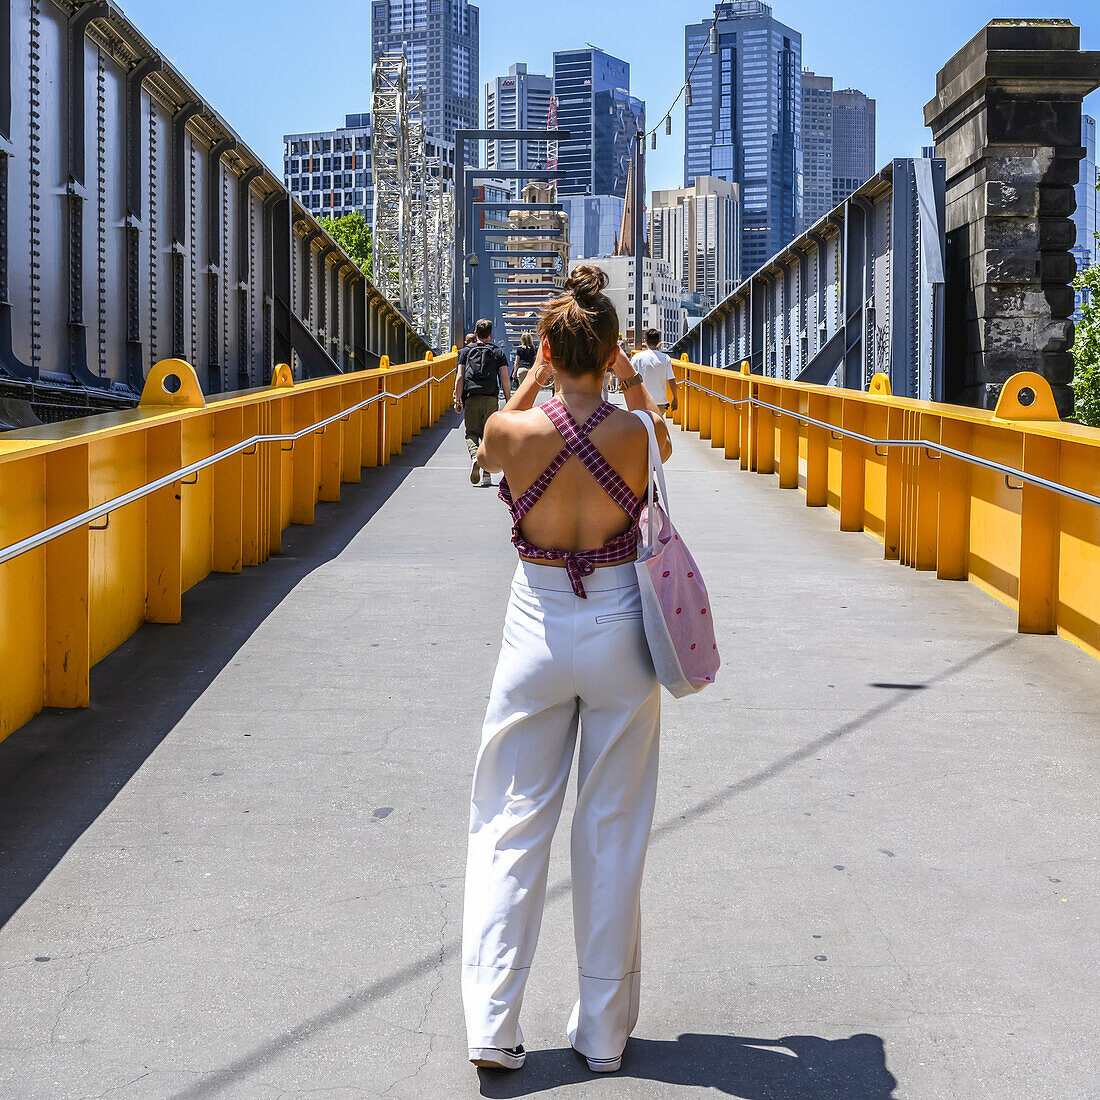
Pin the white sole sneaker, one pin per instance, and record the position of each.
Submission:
(603, 1065)
(486, 482)
(498, 1057)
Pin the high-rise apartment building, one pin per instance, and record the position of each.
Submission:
(853, 142)
(838, 144)
(439, 40)
(602, 117)
(329, 171)
(697, 231)
(745, 119)
(518, 101)
(817, 147)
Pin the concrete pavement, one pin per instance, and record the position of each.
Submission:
(874, 871)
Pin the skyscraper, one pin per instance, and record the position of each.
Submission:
(745, 119)
(853, 142)
(838, 144)
(439, 40)
(817, 146)
(1087, 215)
(602, 117)
(518, 101)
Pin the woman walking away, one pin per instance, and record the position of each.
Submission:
(523, 360)
(573, 654)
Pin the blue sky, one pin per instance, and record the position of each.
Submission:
(277, 66)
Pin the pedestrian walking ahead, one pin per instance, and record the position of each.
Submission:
(524, 358)
(482, 373)
(574, 654)
(655, 367)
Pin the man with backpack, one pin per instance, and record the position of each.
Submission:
(482, 373)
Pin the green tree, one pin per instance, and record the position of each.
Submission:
(1086, 350)
(352, 234)
(1086, 347)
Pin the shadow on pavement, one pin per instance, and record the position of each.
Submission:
(794, 1067)
(274, 1046)
(61, 770)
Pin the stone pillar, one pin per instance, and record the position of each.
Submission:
(1007, 120)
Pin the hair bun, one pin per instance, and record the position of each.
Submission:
(586, 282)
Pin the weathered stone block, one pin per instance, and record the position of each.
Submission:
(1016, 197)
(1056, 267)
(1006, 335)
(1056, 202)
(1046, 121)
(1057, 233)
(1006, 265)
(993, 299)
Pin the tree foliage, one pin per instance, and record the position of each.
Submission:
(352, 234)
(1086, 350)
(1086, 347)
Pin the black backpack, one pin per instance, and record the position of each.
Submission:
(481, 368)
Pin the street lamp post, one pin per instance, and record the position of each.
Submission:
(638, 228)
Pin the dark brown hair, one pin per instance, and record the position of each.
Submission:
(484, 329)
(581, 324)
(652, 337)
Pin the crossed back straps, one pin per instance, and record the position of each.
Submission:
(577, 443)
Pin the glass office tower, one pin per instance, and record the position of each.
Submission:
(602, 117)
(745, 120)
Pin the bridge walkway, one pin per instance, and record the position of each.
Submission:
(239, 874)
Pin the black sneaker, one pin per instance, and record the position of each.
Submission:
(497, 1057)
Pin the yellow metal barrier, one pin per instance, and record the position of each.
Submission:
(1009, 499)
(106, 521)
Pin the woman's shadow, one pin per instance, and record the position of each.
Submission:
(794, 1067)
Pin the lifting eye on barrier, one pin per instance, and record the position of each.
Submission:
(290, 448)
(881, 454)
(1009, 485)
(934, 457)
(836, 435)
(105, 525)
(193, 481)
(248, 454)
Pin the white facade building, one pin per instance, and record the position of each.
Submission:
(697, 232)
(660, 296)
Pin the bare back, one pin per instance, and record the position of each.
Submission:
(574, 513)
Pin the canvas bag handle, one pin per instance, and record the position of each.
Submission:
(657, 467)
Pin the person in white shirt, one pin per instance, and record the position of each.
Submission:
(655, 367)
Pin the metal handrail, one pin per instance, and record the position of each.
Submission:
(926, 444)
(32, 542)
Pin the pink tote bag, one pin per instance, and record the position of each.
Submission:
(676, 611)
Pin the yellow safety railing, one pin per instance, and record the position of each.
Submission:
(106, 521)
(1008, 499)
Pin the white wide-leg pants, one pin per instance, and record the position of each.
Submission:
(563, 661)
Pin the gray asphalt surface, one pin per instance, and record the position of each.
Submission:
(874, 871)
